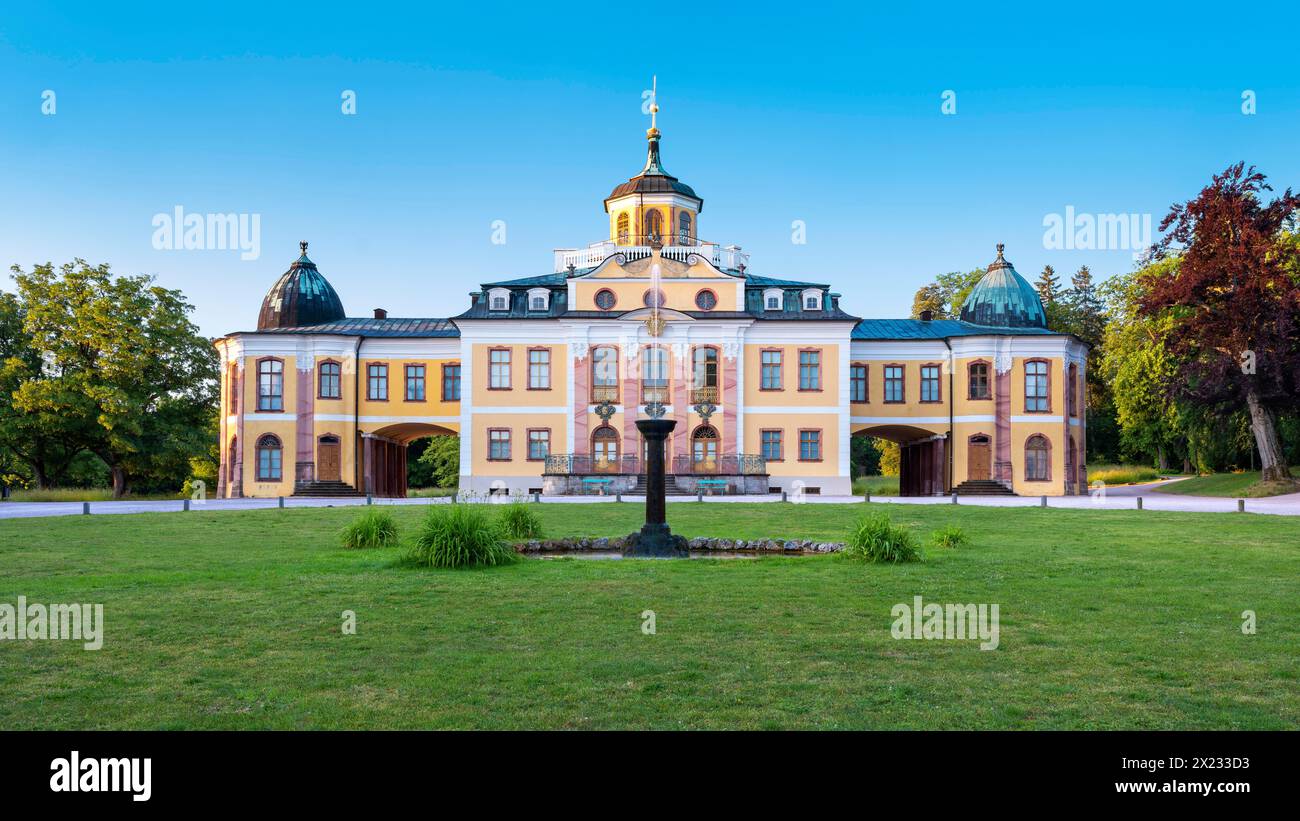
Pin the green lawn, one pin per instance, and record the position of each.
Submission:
(1109, 619)
(878, 485)
(1245, 484)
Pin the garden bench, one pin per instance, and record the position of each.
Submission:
(710, 484)
(597, 484)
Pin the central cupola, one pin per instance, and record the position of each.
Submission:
(654, 207)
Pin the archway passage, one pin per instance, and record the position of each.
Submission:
(382, 462)
(923, 458)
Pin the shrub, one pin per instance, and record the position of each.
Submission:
(460, 536)
(518, 522)
(949, 537)
(875, 539)
(1122, 474)
(374, 528)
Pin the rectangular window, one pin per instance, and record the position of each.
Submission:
(329, 380)
(857, 383)
(810, 445)
(451, 382)
(893, 383)
(499, 444)
(268, 464)
(234, 389)
(771, 371)
(810, 370)
(979, 380)
(270, 385)
(1036, 398)
(414, 383)
(539, 444)
(377, 381)
(604, 372)
(930, 383)
(539, 369)
(499, 369)
(772, 445)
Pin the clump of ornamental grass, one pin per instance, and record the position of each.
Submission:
(951, 536)
(460, 536)
(373, 528)
(875, 539)
(519, 522)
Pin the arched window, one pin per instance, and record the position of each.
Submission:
(1038, 459)
(270, 385)
(604, 374)
(654, 375)
(1037, 386)
(330, 375)
(624, 233)
(604, 449)
(684, 228)
(653, 298)
(1072, 385)
(706, 300)
(978, 380)
(654, 225)
(704, 449)
(605, 299)
(269, 459)
(704, 367)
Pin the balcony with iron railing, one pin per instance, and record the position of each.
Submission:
(678, 248)
(604, 393)
(726, 464)
(704, 395)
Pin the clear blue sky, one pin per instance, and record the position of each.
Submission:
(532, 113)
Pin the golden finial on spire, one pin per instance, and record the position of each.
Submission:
(654, 106)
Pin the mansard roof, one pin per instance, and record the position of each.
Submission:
(881, 329)
(390, 327)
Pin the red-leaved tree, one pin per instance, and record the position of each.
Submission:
(1235, 301)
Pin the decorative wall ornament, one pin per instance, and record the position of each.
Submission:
(731, 349)
(655, 410)
(605, 410)
(655, 324)
(705, 410)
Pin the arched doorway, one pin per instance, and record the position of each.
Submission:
(979, 458)
(704, 449)
(329, 458)
(604, 449)
(922, 457)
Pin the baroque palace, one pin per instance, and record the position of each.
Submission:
(544, 377)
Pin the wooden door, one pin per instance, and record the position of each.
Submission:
(327, 459)
(978, 459)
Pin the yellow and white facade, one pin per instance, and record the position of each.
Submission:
(543, 378)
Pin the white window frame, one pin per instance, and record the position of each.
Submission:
(814, 293)
(544, 293)
(498, 293)
(769, 294)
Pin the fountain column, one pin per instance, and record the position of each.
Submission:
(655, 539)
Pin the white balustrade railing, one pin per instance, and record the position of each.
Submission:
(728, 257)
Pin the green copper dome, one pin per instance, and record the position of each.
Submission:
(1003, 299)
(301, 297)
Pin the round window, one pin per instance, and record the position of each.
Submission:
(605, 299)
(654, 298)
(706, 300)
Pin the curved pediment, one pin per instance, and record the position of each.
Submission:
(667, 314)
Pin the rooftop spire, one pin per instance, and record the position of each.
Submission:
(653, 165)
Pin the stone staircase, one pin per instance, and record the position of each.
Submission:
(982, 487)
(670, 486)
(322, 490)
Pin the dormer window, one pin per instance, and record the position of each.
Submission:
(499, 299)
(773, 299)
(539, 299)
(812, 299)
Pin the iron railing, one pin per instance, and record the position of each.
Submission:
(702, 395)
(576, 464)
(728, 464)
(604, 393)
